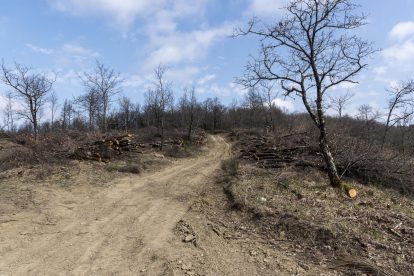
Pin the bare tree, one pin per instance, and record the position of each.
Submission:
(106, 83)
(368, 115)
(162, 97)
(404, 126)
(401, 97)
(268, 97)
(31, 88)
(53, 99)
(254, 104)
(126, 107)
(67, 114)
(188, 107)
(151, 108)
(9, 113)
(89, 102)
(338, 104)
(218, 110)
(309, 51)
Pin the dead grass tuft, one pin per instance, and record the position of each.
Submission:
(129, 168)
(230, 166)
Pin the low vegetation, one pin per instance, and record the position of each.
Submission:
(372, 234)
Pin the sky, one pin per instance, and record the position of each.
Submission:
(191, 37)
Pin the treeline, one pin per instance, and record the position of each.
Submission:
(101, 107)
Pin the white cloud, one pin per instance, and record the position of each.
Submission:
(133, 81)
(77, 50)
(402, 30)
(38, 49)
(266, 7)
(284, 104)
(400, 52)
(159, 20)
(206, 79)
(230, 90)
(3, 102)
(122, 14)
(182, 75)
(381, 70)
(178, 47)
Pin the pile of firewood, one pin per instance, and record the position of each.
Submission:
(105, 149)
(168, 142)
(4, 135)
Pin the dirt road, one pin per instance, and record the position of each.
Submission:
(125, 229)
(138, 226)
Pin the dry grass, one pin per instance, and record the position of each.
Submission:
(299, 206)
(128, 168)
(230, 166)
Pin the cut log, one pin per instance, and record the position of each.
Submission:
(350, 191)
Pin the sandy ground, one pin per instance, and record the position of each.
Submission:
(126, 229)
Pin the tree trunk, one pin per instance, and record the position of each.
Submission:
(162, 133)
(329, 160)
(35, 127)
(190, 128)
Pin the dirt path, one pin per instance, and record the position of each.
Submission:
(125, 229)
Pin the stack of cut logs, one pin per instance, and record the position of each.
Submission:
(264, 151)
(103, 150)
(4, 135)
(169, 142)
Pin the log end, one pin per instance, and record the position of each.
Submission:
(352, 193)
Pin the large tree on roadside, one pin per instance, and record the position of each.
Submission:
(309, 51)
(31, 88)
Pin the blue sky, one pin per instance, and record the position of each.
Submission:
(190, 37)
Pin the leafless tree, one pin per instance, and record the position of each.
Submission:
(254, 103)
(31, 88)
(401, 97)
(188, 105)
(106, 83)
(90, 103)
(368, 115)
(9, 113)
(217, 110)
(338, 103)
(309, 51)
(234, 114)
(67, 114)
(126, 107)
(162, 97)
(268, 96)
(53, 99)
(404, 126)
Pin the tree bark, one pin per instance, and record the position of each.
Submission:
(329, 160)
